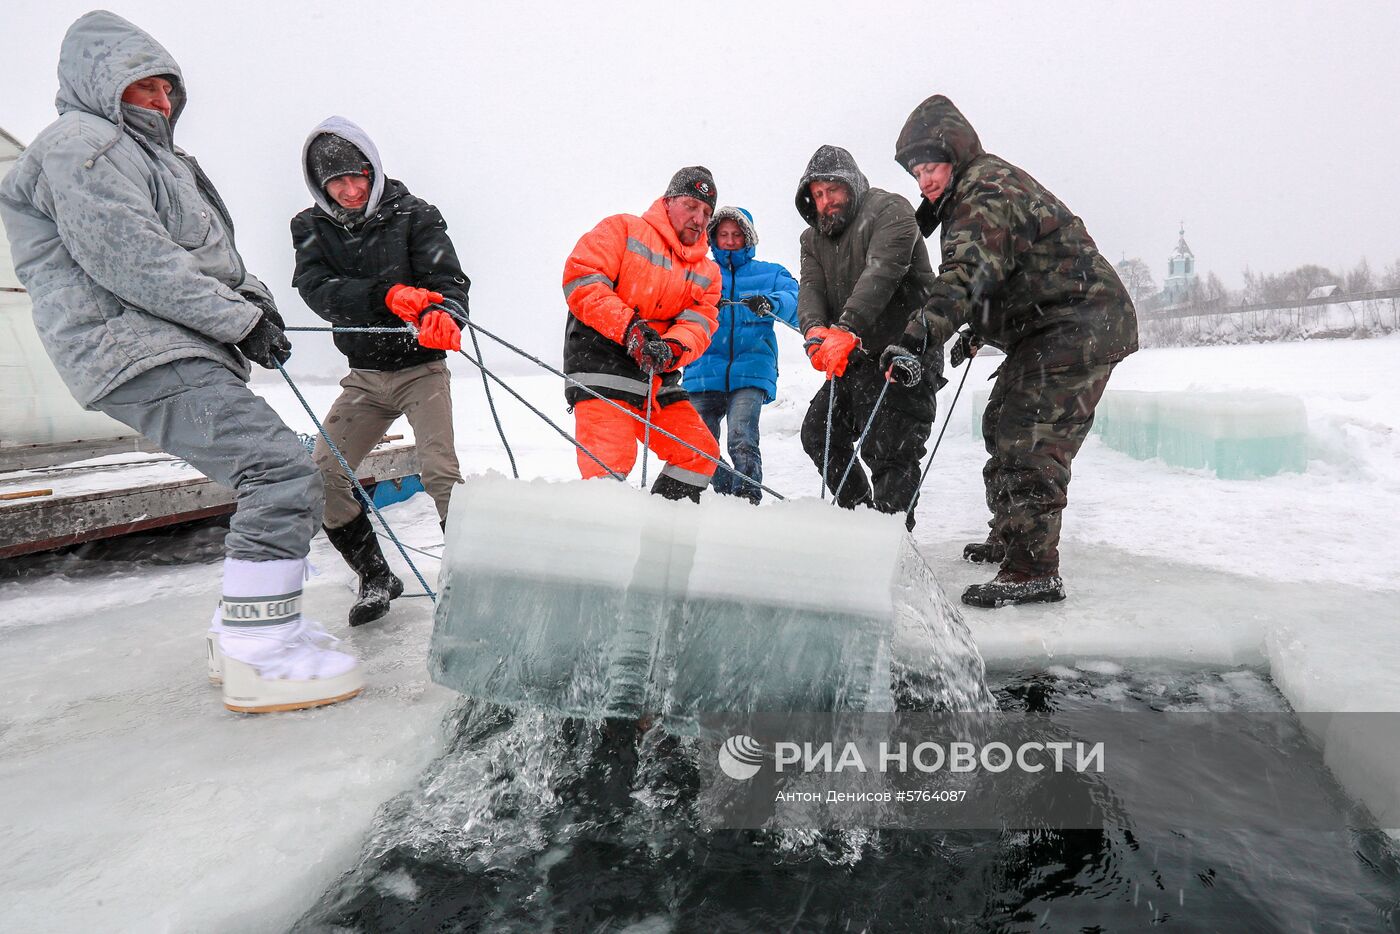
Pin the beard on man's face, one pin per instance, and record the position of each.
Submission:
(832, 223)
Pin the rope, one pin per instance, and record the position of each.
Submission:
(621, 408)
(869, 423)
(355, 480)
(826, 449)
(547, 420)
(348, 330)
(420, 551)
(646, 431)
(500, 382)
(767, 314)
(449, 303)
(914, 501)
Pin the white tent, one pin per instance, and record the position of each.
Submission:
(35, 406)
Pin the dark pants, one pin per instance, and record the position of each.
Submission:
(740, 409)
(1035, 422)
(894, 448)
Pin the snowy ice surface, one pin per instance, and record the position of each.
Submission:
(133, 801)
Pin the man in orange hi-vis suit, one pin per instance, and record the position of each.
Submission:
(643, 294)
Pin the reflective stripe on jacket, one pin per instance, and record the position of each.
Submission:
(635, 265)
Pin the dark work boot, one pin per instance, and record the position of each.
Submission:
(992, 551)
(671, 488)
(358, 545)
(1015, 587)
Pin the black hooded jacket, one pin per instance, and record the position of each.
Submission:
(343, 273)
(871, 276)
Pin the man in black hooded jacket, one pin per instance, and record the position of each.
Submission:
(370, 254)
(865, 270)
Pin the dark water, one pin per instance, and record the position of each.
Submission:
(199, 542)
(524, 825)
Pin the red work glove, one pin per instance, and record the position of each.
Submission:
(437, 331)
(649, 350)
(813, 344)
(677, 348)
(835, 352)
(408, 302)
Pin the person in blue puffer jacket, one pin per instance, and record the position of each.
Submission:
(738, 374)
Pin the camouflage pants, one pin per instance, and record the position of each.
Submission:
(1035, 422)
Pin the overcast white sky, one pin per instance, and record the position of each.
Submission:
(1267, 126)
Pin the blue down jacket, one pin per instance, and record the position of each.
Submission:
(744, 351)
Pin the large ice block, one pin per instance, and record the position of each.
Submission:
(1237, 435)
(593, 599)
(1129, 421)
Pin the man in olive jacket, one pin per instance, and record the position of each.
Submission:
(865, 271)
(1020, 273)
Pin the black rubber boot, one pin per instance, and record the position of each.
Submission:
(992, 551)
(1012, 587)
(671, 488)
(358, 545)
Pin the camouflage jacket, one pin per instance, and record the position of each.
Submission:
(1017, 266)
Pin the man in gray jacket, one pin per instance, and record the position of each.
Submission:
(142, 301)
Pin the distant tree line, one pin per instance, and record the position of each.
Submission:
(1270, 306)
(1259, 288)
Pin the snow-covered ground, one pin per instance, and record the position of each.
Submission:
(133, 801)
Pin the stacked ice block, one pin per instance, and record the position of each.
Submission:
(594, 599)
(1237, 435)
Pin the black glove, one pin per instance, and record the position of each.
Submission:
(647, 348)
(900, 365)
(266, 345)
(758, 304)
(965, 348)
(264, 305)
(928, 329)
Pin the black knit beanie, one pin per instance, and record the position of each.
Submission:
(921, 153)
(330, 156)
(694, 181)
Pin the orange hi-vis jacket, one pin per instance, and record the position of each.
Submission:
(636, 265)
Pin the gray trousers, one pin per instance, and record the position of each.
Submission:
(371, 401)
(201, 412)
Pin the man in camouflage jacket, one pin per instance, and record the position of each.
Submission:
(1019, 272)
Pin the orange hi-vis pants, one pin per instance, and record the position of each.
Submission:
(612, 435)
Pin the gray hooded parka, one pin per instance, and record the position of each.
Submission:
(124, 246)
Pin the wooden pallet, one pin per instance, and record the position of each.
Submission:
(44, 523)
